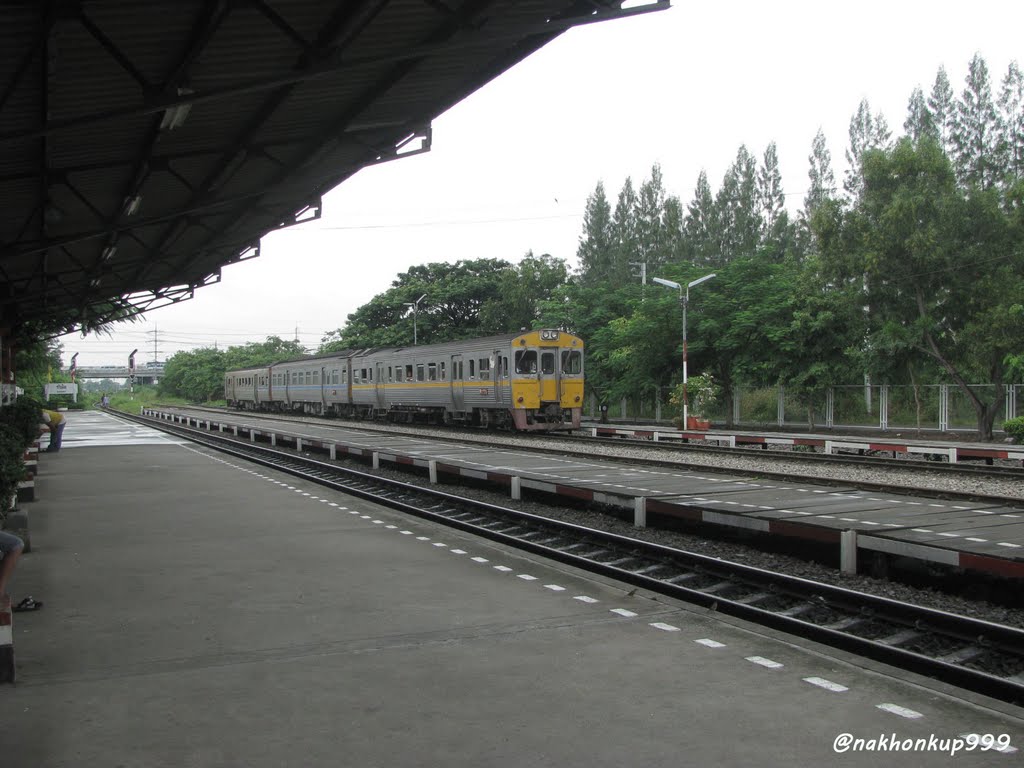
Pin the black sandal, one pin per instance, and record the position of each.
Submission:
(28, 604)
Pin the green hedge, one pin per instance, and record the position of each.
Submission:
(12, 465)
(1015, 428)
(24, 417)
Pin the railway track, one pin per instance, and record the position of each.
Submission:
(976, 655)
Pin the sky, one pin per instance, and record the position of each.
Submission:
(512, 165)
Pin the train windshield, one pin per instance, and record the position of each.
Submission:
(526, 361)
(572, 362)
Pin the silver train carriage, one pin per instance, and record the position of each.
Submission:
(525, 381)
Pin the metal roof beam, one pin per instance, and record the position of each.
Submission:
(341, 20)
(334, 65)
(115, 53)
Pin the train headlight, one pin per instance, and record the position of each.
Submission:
(549, 335)
(520, 399)
(577, 399)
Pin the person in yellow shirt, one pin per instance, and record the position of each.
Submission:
(55, 422)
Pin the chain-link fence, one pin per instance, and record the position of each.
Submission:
(931, 407)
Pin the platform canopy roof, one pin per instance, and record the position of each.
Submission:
(145, 145)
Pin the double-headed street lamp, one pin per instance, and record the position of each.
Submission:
(415, 311)
(684, 299)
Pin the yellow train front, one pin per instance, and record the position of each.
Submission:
(546, 380)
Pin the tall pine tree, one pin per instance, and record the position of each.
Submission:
(919, 122)
(976, 131)
(1011, 123)
(822, 180)
(700, 230)
(770, 196)
(942, 106)
(867, 132)
(595, 249)
(651, 237)
(624, 236)
(739, 219)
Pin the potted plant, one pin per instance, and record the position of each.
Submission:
(702, 392)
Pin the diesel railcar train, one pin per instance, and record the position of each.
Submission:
(532, 380)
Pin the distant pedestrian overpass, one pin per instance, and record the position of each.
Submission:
(149, 374)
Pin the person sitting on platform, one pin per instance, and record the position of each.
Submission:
(55, 422)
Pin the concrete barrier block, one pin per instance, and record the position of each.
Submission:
(6, 647)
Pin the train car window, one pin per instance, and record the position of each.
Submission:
(547, 362)
(308, 377)
(572, 362)
(408, 373)
(504, 367)
(526, 361)
(344, 376)
(443, 372)
(399, 373)
(431, 371)
(419, 372)
(472, 369)
(316, 377)
(370, 371)
(485, 368)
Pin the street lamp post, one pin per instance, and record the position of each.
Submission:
(415, 311)
(684, 299)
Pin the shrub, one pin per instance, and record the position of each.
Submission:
(701, 391)
(12, 465)
(23, 416)
(1015, 428)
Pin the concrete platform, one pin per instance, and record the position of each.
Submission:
(204, 612)
(953, 451)
(970, 535)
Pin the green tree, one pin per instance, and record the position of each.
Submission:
(821, 189)
(772, 202)
(522, 291)
(266, 352)
(739, 218)
(197, 375)
(732, 318)
(815, 349)
(867, 132)
(701, 242)
(942, 106)
(454, 294)
(652, 237)
(919, 120)
(595, 249)
(624, 236)
(588, 311)
(975, 150)
(942, 268)
(1011, 124)
(36, 363)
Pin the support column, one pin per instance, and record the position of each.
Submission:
(640, 512)
(848, 552)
